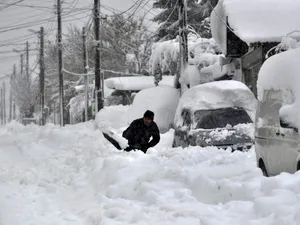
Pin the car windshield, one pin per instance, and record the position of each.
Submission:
(219, 118)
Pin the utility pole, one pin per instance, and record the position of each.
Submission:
(2, 109)
(10, 98)
(14, 104)
(98, 94)
(22, 64)
(60, 66)
(183, 45)
(27, 61)
(42, 75)
(4, 105)
(86, 83)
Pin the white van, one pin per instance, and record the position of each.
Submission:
(277, 140)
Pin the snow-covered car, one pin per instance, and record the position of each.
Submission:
(125, 88)
(277, 123)
(208, 115)
(162, 100)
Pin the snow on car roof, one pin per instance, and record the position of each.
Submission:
(136, 83)
(218, 94)
(280, 71)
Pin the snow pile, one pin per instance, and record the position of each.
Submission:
(162, 101)
(136, 83)
(112, 117)
(221, 134)
(217, 94)
(281, 72)
(72, 175)
(191, 76)
(214, 71)
(255, 20)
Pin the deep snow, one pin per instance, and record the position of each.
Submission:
(72, 175)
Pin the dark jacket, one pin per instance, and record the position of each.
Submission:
(139, 133)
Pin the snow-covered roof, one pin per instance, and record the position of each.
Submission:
(256, 20)
(218, 94)
(137, 83)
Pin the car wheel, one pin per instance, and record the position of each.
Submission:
(263, 168)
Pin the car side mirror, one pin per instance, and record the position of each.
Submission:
(284, 124)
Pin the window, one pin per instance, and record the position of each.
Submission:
(186, 116)
(268, 108)
(219, 118)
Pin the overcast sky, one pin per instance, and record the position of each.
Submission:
(32, 14)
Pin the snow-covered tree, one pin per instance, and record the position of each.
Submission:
(125, 45)
(164, 59)
(197, 14)
(26, 94)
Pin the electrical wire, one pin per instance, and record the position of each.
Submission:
(127, 10)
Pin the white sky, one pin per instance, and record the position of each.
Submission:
(43, 15)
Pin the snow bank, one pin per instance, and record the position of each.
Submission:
(72, 175)
(255, 20)
(281, 72)
(136, 83)
(217, 94)
(112, 117)
(161, 100)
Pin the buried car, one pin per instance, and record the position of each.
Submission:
(277, 139)
(209, 115)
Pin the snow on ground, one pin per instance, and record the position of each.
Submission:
(72, 175)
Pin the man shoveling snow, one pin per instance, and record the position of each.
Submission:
(137, 135)
(140, 131)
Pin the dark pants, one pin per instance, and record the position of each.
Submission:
(134, 147)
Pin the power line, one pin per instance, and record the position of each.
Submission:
(30, 24)
(4, 52)
(131, 7)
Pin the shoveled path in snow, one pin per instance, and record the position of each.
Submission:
(72, 175)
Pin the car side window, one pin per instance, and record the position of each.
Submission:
(287, 100)
(269, 108)
(186, 116)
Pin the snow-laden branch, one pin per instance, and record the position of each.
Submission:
(25, 93)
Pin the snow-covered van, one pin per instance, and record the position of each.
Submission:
(217, 113)
(277, 141)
